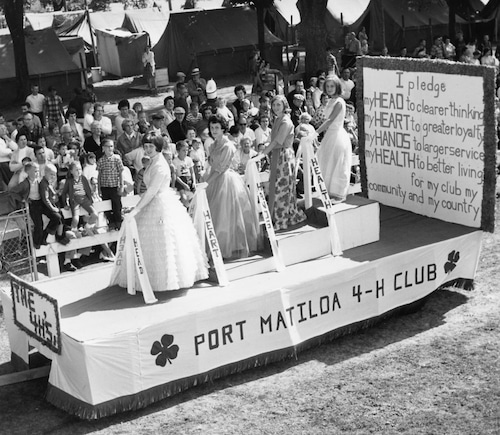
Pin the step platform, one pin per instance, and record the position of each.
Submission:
(358, 223)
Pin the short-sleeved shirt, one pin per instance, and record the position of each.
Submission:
(110, 170)
(183, 167)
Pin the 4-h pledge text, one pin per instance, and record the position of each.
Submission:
(424, 142)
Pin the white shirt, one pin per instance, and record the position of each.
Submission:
(249, 134)
(262, 136)
(36, 102)
(347, 86)
(5, 151)
(106, 125)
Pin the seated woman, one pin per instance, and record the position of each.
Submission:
(233, 212)
(172, 252)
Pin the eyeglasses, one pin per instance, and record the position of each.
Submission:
(243, 124)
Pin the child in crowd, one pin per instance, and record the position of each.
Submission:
(184, 171)
(110, 168)
(264, 106)
(78, 193)
(142, 122)
(50, 207)
(224, 112)
(49, 154)
(194, 116)
(139, 185)
(198, 156)
(62, 161)
(53, 137)
(90, 166)
(190, 136)
(169, 157)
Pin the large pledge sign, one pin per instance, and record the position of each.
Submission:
(424, 142)
(36, 313)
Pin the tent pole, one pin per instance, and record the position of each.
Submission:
(92, 41)
(383, 26)
(404, 30)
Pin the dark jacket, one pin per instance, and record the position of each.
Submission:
(69, 191)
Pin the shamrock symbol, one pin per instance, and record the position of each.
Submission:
(453, 258)
(165, 350)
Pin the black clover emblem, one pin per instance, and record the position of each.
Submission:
(453, 258)
(165, 349)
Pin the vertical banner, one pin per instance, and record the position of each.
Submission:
(428, 129)
(199, 211)
(252, 179)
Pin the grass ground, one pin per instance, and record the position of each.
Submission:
(435, 371)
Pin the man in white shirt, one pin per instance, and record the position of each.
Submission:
(36, 102)
(106, 125)
(346, 83)
(245, 131)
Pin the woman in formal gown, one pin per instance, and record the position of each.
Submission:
(173, 257)
(335, 152)
(234, 214)
(282, 193)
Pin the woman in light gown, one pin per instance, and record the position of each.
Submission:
(335, 152)
(173, 257)
(233, 212)
(282, 195)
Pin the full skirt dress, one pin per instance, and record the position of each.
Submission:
(171, 248)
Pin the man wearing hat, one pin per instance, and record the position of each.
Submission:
(211, 92)
(297, 108)
(178, 127)
(157, 125)
(197, 87)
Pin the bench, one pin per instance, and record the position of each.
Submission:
(51, 251)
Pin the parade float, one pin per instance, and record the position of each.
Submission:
(427, 149)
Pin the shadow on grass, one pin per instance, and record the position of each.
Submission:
(391, 330)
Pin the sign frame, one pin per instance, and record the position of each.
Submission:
(55, 343)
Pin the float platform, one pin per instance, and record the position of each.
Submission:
(115, 353)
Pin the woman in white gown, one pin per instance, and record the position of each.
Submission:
(335, 152)
(172, 253)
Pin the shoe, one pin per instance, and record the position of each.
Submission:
(77, 263)
(63, 240)
(104, 257)
(69, 267)
(36, 246)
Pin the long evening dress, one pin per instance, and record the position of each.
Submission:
(282, 194)
(233, 212)
(172, 252)
(335, 153)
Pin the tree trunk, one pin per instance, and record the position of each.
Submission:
(14, 15)
(312, 34)
(259, 5)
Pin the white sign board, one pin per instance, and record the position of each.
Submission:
(424, 142)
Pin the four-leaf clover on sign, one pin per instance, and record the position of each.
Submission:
(453, 258)
(165, 349)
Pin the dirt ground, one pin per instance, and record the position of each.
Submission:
(435, 371)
